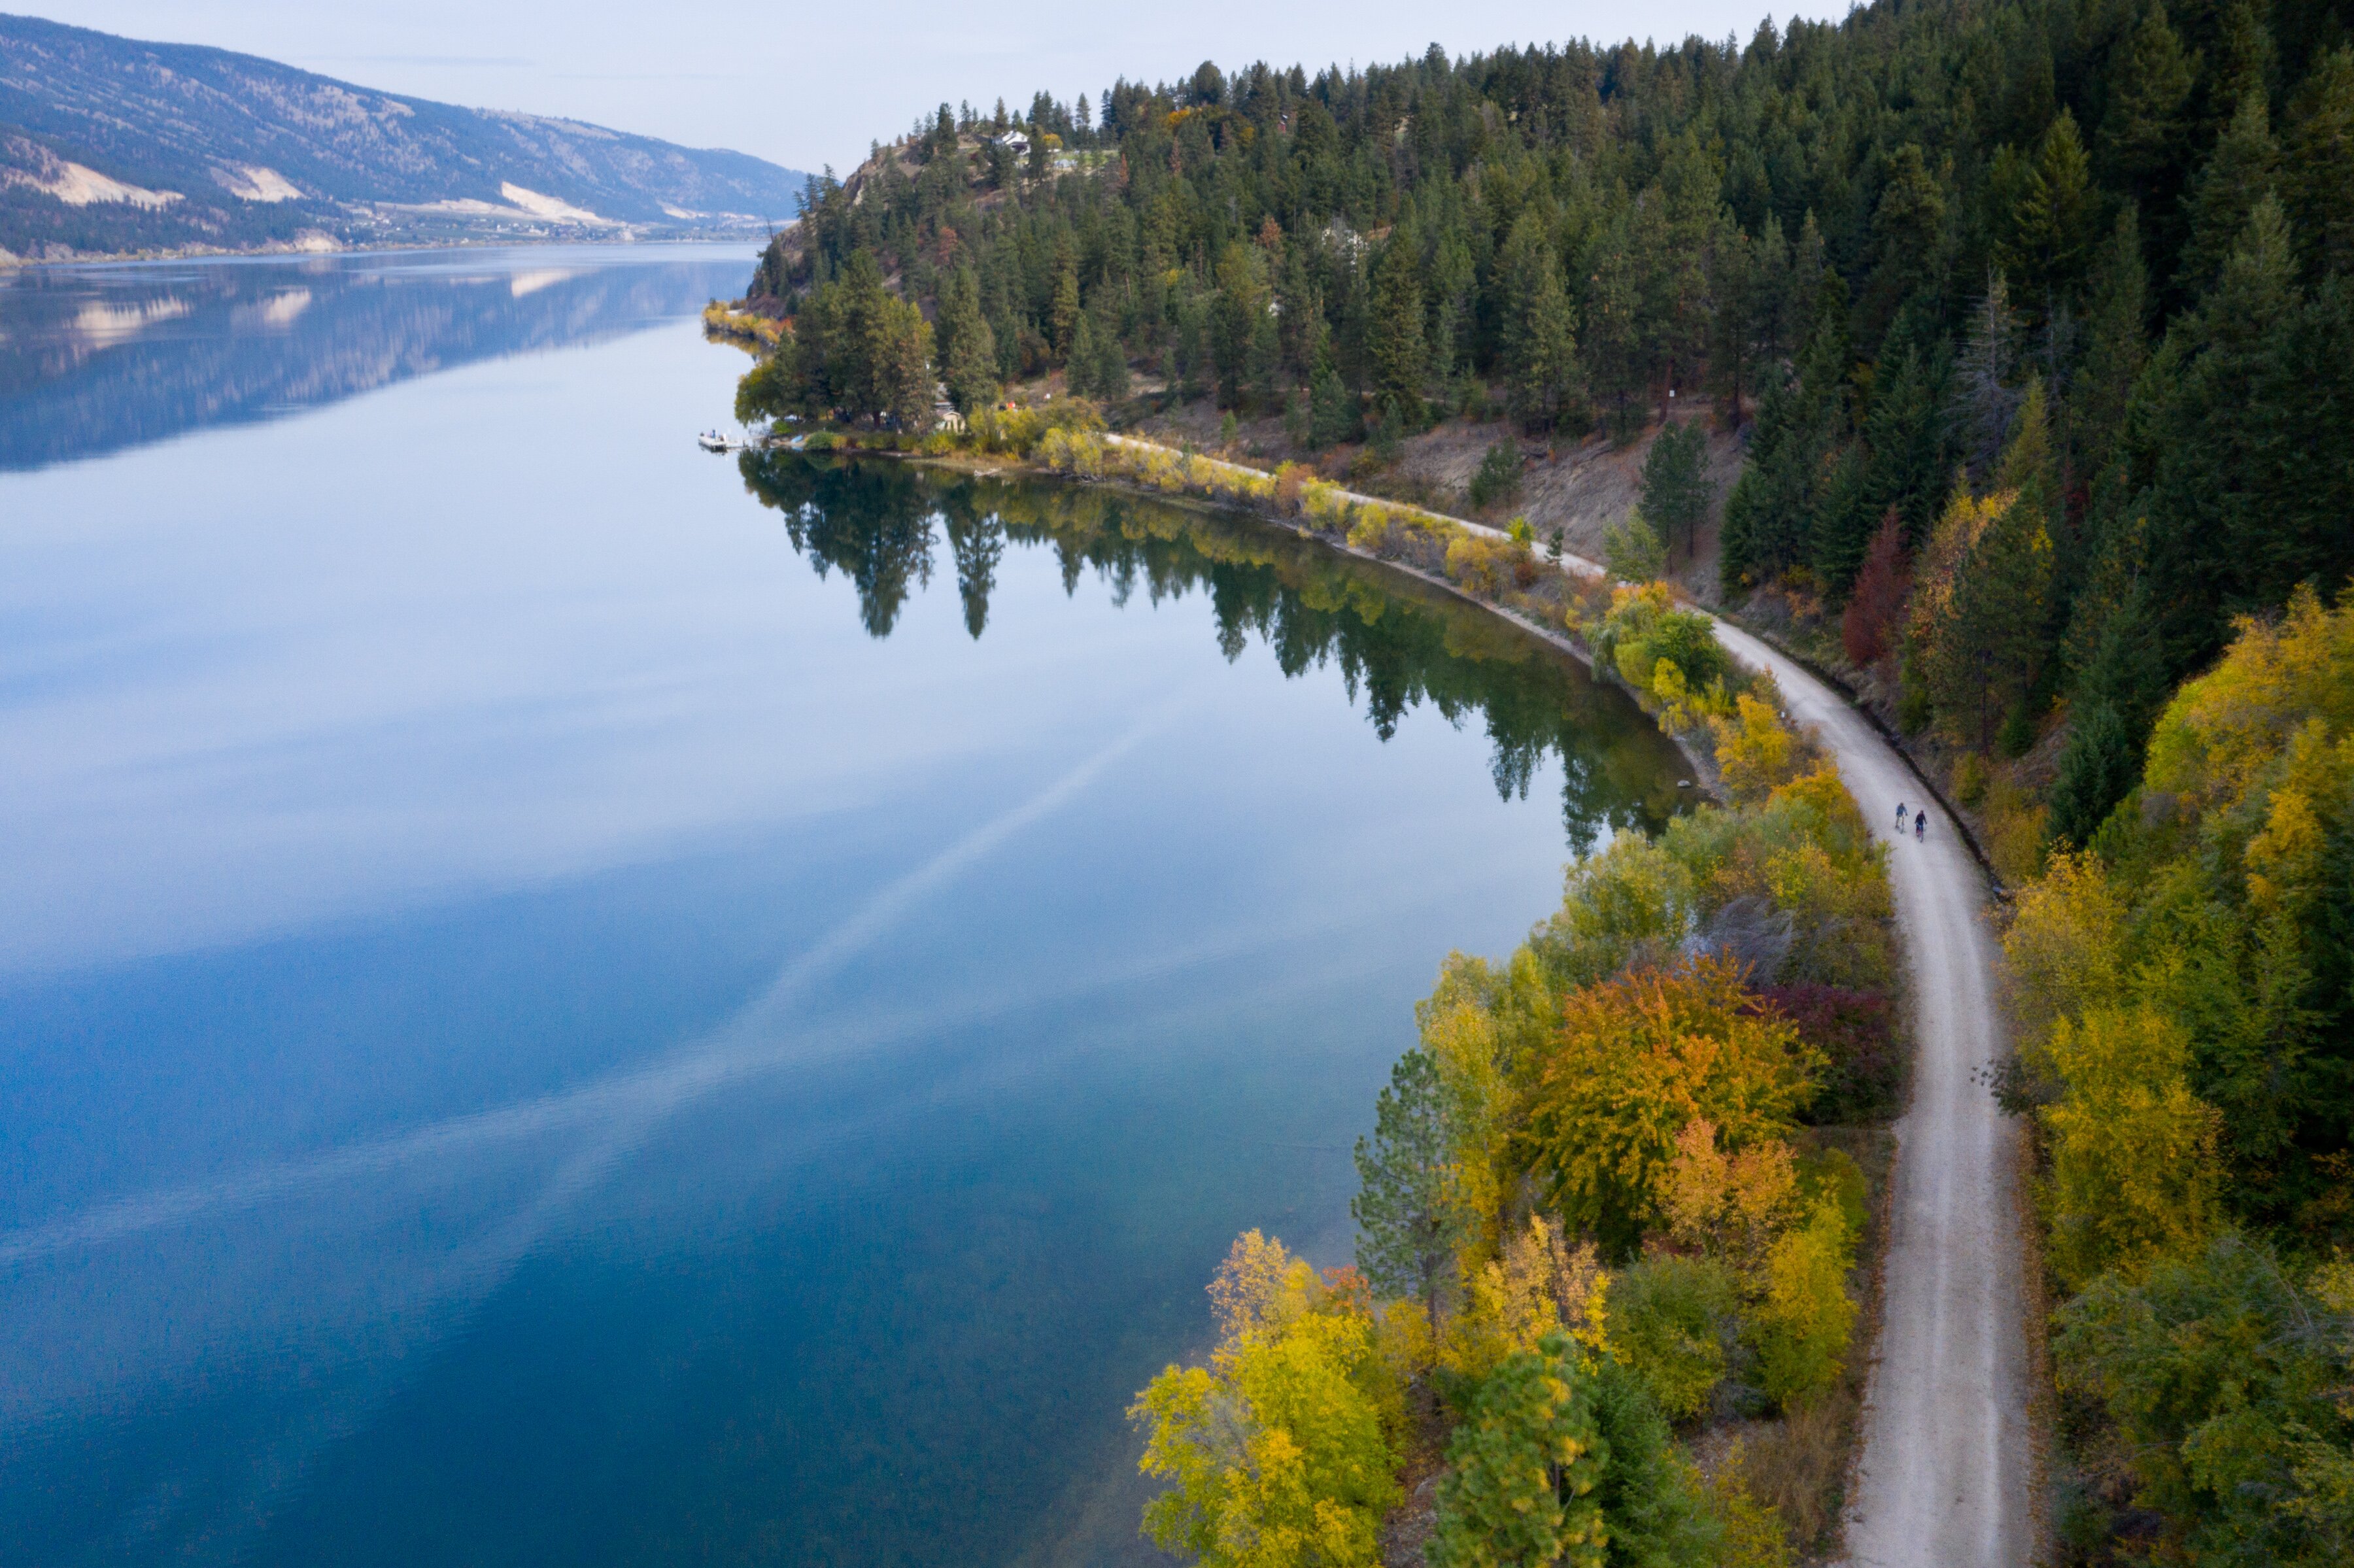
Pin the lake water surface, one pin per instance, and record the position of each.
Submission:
(564, 1000)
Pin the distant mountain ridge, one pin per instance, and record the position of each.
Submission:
(109, 144)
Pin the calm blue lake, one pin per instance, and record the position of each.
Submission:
(565, 999)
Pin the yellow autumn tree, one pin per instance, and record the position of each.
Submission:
(1755, 749)
(2133, 1151)
(1802, 1325)
(1464, 1045)
(1538, 1286)
(2286, 859)
(2065, 948)
(2224, 731)
(1276, 1454)
(1520, 998)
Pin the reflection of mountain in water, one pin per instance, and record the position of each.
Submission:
(97, 360)
(1397, 643)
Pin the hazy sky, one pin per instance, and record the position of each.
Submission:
(806, 85)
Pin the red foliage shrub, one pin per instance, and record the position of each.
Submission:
(1876, 606)
(1854, 1032)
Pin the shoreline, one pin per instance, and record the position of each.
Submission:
(10, 261)
(1700, 760)
(1951, 1343)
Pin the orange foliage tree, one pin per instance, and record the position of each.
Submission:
(1640, 1058)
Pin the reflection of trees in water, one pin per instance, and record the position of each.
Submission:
(1397, 645)
(978, 541)
(97, 361)
(873, 521)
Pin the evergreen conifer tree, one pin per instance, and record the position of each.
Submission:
(2241, 58)
(1540, 336)
(1063, 312)
(1905, 434)
(2142, 132)
(972, 369)
(1332, 407)
(1769, 515)
(1524, 1472)
(2052, 228)
(1452, 281)
(1401, 363)
(1844, 520)
(1909, 222)
(2317, 171)
(1614, 332)
(2115, 697)
(2117, 345)
(1111, 381)
(2219, 401)
(1985, 648)
(2237, 176)
(1079, 369)
(1675, 489)
(1409, 1221)
(1243, 344)
(1733, 286)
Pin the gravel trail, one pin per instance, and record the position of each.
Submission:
(1944, 1474)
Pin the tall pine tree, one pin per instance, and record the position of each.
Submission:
(2238, 175)
(1400, 355)
(1409, 1221)
(2318, 172)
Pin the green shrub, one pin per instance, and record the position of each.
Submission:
(1670, 1322)
(1833, 1174)
(1914, 709)
(2227, 1384)
(1018, 431)
(1632, 550)
(1643, 626)
(1560, 1462)
(1498, 478)
(1970, 779)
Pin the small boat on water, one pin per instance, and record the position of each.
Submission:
(712, 441)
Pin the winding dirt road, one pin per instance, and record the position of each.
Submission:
(1947, 1463)
(1945, 1473)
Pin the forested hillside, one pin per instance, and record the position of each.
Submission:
(1873, 241)
(2035, 322)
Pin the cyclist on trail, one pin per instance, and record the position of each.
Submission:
(1899, 816)
(1920, 827)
